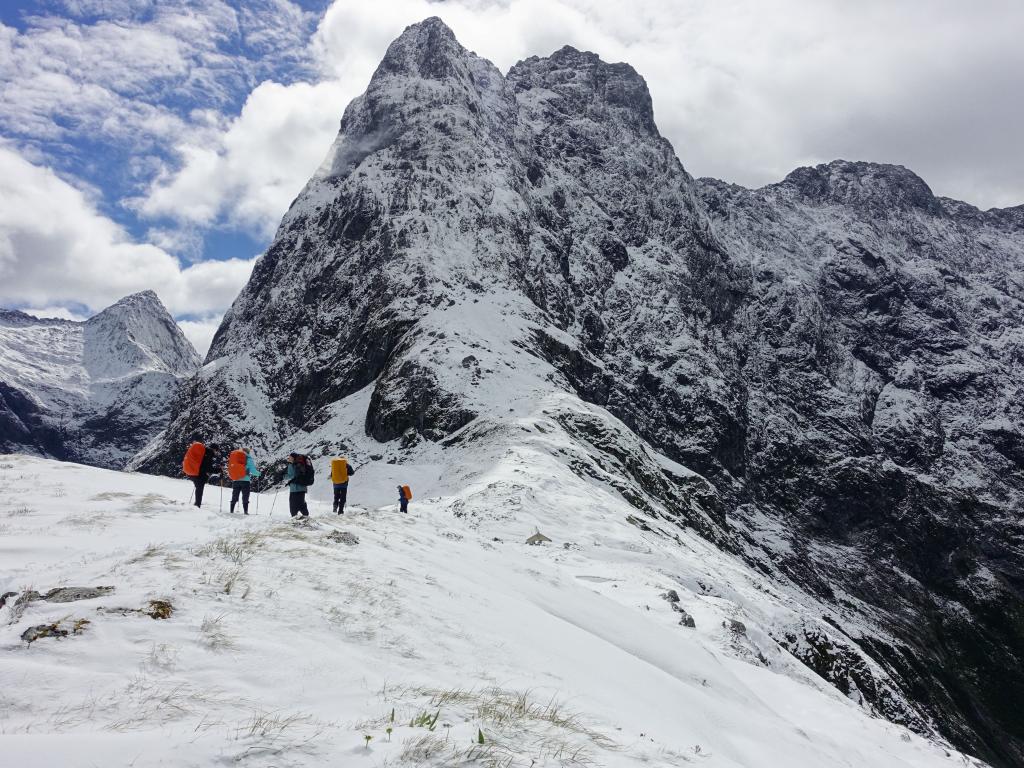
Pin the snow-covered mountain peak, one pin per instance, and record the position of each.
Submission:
(93, 391)
(874, 187)
(136, 334)
(427, 49)
(585, 84)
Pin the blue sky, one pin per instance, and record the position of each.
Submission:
(238, 55)
(156, 143)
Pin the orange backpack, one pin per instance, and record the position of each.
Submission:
(339, 471)
(407, 492)
(193, 460)
(236, 464)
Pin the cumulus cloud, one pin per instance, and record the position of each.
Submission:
(55, 249)
(253, 170)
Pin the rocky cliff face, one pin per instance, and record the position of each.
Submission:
(96, 391)
(819, 376)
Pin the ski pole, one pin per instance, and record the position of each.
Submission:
(191, 494)
(221, 509)
(257, 481)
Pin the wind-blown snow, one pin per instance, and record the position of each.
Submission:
(288, 648)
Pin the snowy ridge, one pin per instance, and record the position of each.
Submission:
(819, 378)
(286, 645)
(94, 391)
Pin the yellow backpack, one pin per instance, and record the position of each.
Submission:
(339, 470)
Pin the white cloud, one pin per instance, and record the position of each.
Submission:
(59, 313)
(253, 170)
(55, 248)
(200, 332)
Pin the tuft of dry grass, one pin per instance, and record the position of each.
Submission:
(214, 635)
(274, 733)
(162, 657)
(516, 730)
(110, 496)
(236, 549)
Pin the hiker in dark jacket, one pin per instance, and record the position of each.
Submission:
(402, 501)
(208, 467)
(296, 492)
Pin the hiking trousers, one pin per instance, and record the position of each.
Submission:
(340, 496)
(200, 483)
(297, 503)
(240, 488)
(404, 504)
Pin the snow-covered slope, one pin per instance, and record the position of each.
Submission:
(290, 644)
(95, 391)
(819, 377)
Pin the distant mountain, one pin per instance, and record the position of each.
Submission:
(96, 391)
(822, 377)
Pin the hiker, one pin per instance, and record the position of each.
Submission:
(200, 463)
(340, 472)
(241, 469)
(404, 494)
(299, 468)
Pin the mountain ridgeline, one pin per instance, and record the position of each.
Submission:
(834, 359)
(96, 391)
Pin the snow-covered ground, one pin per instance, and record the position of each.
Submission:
(288, 647)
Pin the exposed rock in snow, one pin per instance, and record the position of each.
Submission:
(95, 391)
(821, 377)
(284, 648)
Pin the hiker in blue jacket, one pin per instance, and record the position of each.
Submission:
(244, 485)
(296, 492)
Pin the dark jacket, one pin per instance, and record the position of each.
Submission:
(209, 463)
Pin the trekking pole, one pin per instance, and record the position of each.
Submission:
(191, 494)
(257, 481)
(221, 509)
(273, 503)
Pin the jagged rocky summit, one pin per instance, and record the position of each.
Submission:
(95, 391)
(820, 376)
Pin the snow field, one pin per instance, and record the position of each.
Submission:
(286, 647)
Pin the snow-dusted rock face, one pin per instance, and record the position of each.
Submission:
(95, 391)
(820, 376)
(882, 359)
